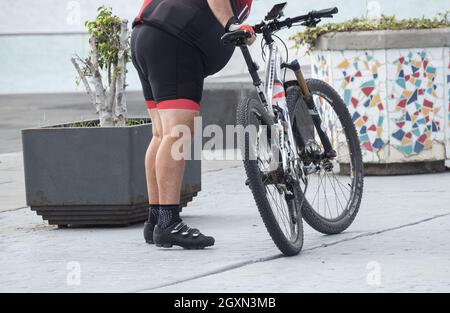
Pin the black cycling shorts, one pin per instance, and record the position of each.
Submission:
(171, 71)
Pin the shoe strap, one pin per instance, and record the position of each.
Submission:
(178, 228)
(185, 230)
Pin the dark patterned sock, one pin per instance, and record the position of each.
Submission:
(153, 214)
(168, 215)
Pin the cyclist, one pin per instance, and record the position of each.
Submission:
(175, 45)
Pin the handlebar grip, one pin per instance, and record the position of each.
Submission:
(334, 10)
(324, 13)
(235, 37)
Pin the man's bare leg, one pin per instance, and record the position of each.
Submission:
(150, 157)
(150, 173)
(171, 230)
(169, 170)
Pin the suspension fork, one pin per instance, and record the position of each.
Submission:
(308, 97)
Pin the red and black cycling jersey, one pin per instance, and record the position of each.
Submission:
(194, 22)
(241, 8)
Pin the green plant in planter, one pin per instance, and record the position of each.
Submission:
(108, 56)
(310, 35)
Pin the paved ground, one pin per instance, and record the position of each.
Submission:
(399, 242)
(12, 182)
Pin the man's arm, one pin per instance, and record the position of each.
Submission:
(222, 10)
(224, 13)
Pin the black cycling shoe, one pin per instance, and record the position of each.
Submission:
(148, 232)
(181, 235)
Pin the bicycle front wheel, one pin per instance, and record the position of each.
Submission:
(335, 187)
(277, 197)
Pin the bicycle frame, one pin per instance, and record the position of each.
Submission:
(274, 102)
(273, 70)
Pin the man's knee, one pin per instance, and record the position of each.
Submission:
(156, 134)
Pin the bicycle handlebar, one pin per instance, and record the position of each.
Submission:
(309, 19)
(239, 37)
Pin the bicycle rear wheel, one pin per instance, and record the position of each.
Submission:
(276, 197)
(334, 192)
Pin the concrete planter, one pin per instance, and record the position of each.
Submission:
(396, 85)
(92, 176)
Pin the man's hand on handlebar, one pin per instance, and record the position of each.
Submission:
(247, 28)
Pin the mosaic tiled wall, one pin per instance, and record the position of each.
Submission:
(398, 99)
(416, 99)
(321, 68)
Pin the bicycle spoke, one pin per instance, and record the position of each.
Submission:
(341, 184)
(318, 188)
(280, 213)
(325, 195)
(337, 198)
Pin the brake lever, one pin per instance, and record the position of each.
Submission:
(312, 23)
(258, 27)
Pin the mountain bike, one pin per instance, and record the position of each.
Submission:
(300, 148)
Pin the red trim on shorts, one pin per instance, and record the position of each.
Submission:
(179, 104)
(150, 104)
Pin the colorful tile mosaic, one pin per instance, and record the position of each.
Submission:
(415, 100)
(359, 78)
(321, 68)
(398, 98)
